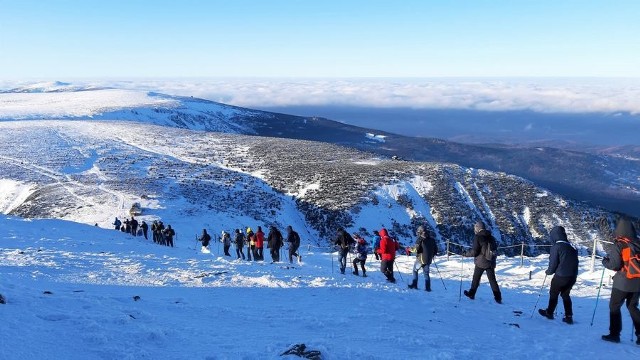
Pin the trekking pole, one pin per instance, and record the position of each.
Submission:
(539, 294)
(598, 297)
(196, 246)
(398, 268)
(331, 252)
(461, 271)
(438, 270)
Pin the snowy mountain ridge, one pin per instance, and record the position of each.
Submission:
(606, 180)
(91, 172)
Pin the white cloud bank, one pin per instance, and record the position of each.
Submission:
(541, 95)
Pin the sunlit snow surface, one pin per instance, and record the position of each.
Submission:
(70, 292)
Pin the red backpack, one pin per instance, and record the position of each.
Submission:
(630, 259)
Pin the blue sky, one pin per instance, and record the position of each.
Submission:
(349, 38)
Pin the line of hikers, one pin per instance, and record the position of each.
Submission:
(161, 235)
(255, 243)
(623, 257)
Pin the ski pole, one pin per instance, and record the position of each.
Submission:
(539, 294)
(438, 270)
(398, 268)
(598, 296)
(461, 271)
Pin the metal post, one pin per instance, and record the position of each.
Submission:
(593, 254)
(522, 255)
(448, 250)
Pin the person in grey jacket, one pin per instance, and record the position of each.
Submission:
(426, 249)
(624, 288)
(563, 262)
(483, 237)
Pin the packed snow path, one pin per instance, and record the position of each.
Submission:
(81, 292)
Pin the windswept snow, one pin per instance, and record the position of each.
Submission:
(81, 292)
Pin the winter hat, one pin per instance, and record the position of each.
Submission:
(558, 234)
(289, 228)
(248, 230)
(624, 228)
(420, 230)
(375, 232)
(479, 226)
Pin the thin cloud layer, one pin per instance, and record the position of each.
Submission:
(540, 95)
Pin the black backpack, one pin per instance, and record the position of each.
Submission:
(487, 251)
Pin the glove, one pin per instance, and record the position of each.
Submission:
(605, 260)
(548, 272)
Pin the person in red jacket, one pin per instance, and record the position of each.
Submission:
(260, 244)
(388, 248)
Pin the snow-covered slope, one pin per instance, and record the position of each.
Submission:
(80, 292)
(91, 172)
(607, 181)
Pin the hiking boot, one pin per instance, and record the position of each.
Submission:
(568, 320)
(612, 338)
(427, 285)
(299, 258)
(413, 285)
(638, 341)
(364, 274)
(355, 273)
(468, 294)
(546, 314)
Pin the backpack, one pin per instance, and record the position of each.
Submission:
(486, 251)
(630, 259)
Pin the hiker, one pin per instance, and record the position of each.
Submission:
(362, 250)
(251, 244)
(344, 242)
(160, 233)
(274, 242)
(260, 244)
(376, 244)
(225, 238)
(145, 229)
(388, 249)
(563, 262)
(484, 246)
(168, 235)
(117, 223)
(154, 231)
(294, 243)
(205, 239)
(426, 249)
(134, 226)
(622, 257)
(127, 226)
(239, 240)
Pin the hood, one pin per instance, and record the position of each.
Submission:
(420, 231)
(479, 226)
(558, 234)
(383, 232)
(624, 228)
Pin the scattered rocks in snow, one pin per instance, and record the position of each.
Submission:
(517, 312)
(301, 351)
(514, 324)
(2, 299)
(136, 298)
(47, 292)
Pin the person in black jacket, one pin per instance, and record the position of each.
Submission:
(239, 240)
(483, 239)
(426, 249)
(624, 289)
(205, 239)
(294, 243)
(274, 243)
(344, 242)
(145, 229)
(563, 262)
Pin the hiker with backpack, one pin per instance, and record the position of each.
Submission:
(344, 242)
(168, 234)
(426, 250)
(251, 245)
(563, 262)
(388, 249)
(274, 243)
(484, 253)
(623, 257)
(362, 250)
(294, 243)
(225, 238)
(376, 244)
(117, 223)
